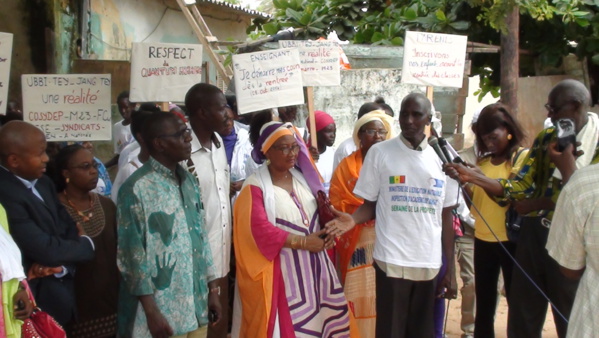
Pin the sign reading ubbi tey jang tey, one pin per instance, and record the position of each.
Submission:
(73, 107)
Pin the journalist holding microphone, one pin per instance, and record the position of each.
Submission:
(538, 184)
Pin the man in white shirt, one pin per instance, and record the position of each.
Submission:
(574, 244)
(121, 131)
(405, 189)
(207, 108)
(137, 120)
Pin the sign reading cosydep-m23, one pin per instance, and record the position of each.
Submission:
(433, 59)
(162, 72)
(267, 80)
(319, 60)
(73, 107)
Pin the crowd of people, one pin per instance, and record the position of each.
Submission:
(213, 227)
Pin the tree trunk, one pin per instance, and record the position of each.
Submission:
(510, 61)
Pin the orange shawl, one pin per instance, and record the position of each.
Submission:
(342, 198)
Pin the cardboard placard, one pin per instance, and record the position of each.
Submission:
(73, 107)
(5, 58)
(267, 80)
(319, 60)
(162, 72)
(433, 59)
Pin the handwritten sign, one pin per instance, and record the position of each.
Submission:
(267, 80)
(74, 107)
(5, 57)
(432, 59)
(319, 60)
(162, 72)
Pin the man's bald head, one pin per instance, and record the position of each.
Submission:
(572, 90)
(419, 98)
(23, 149)
(569, 99)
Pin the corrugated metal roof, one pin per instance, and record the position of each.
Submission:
(235, 7)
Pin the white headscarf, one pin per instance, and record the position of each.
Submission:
(375, 115)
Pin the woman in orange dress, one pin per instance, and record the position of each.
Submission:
(354, 248)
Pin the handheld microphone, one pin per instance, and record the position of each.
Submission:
(449, 152)
(434, 142)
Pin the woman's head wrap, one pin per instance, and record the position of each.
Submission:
(270, 133)
(375, 115)
(322, 120)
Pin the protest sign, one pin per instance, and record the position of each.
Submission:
(162, 72)
(267, 80)
(5, 57)
(73, 107)
(319, 60)
(433, 59)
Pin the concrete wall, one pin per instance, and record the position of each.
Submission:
(357, 87)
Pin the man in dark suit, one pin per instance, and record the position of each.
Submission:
(39, 224)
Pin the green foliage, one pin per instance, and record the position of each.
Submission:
(547, 27)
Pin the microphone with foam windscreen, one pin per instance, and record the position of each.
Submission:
(449, 152)
(434, 142)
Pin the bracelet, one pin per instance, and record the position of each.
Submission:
(215, 290)
(304, 239)
(294, 241)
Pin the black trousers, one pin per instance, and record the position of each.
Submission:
(404, 308)
(489, 257)
(528, 307)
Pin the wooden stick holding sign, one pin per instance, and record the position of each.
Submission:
(312, 119)
(164, 106)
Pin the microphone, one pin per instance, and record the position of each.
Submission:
(449, 152)
(434, 142)
(443, 145)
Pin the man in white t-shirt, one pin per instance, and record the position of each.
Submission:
(404, 188)
(121, 131)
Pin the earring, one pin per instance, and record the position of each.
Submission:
(68, 179)
(509, 137)
(267, 162)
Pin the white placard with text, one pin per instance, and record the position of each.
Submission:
(73, 107)
(162, 72)
(433, 59)
(5, 58)
(319, 60)
(268, 79)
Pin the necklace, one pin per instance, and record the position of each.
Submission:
(84, 217)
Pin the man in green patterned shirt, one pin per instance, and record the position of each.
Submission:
(534, 192)
(163, 253)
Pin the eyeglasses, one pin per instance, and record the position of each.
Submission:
(288, 149)
(380, 132)
(553, 109)
(87, 166)
(181, 134)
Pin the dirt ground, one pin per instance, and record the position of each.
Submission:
(453, 322)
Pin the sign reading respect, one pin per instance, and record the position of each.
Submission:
(162, 72)
(267, 80)
(74, 107)
(319, 60)
(433, 59)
